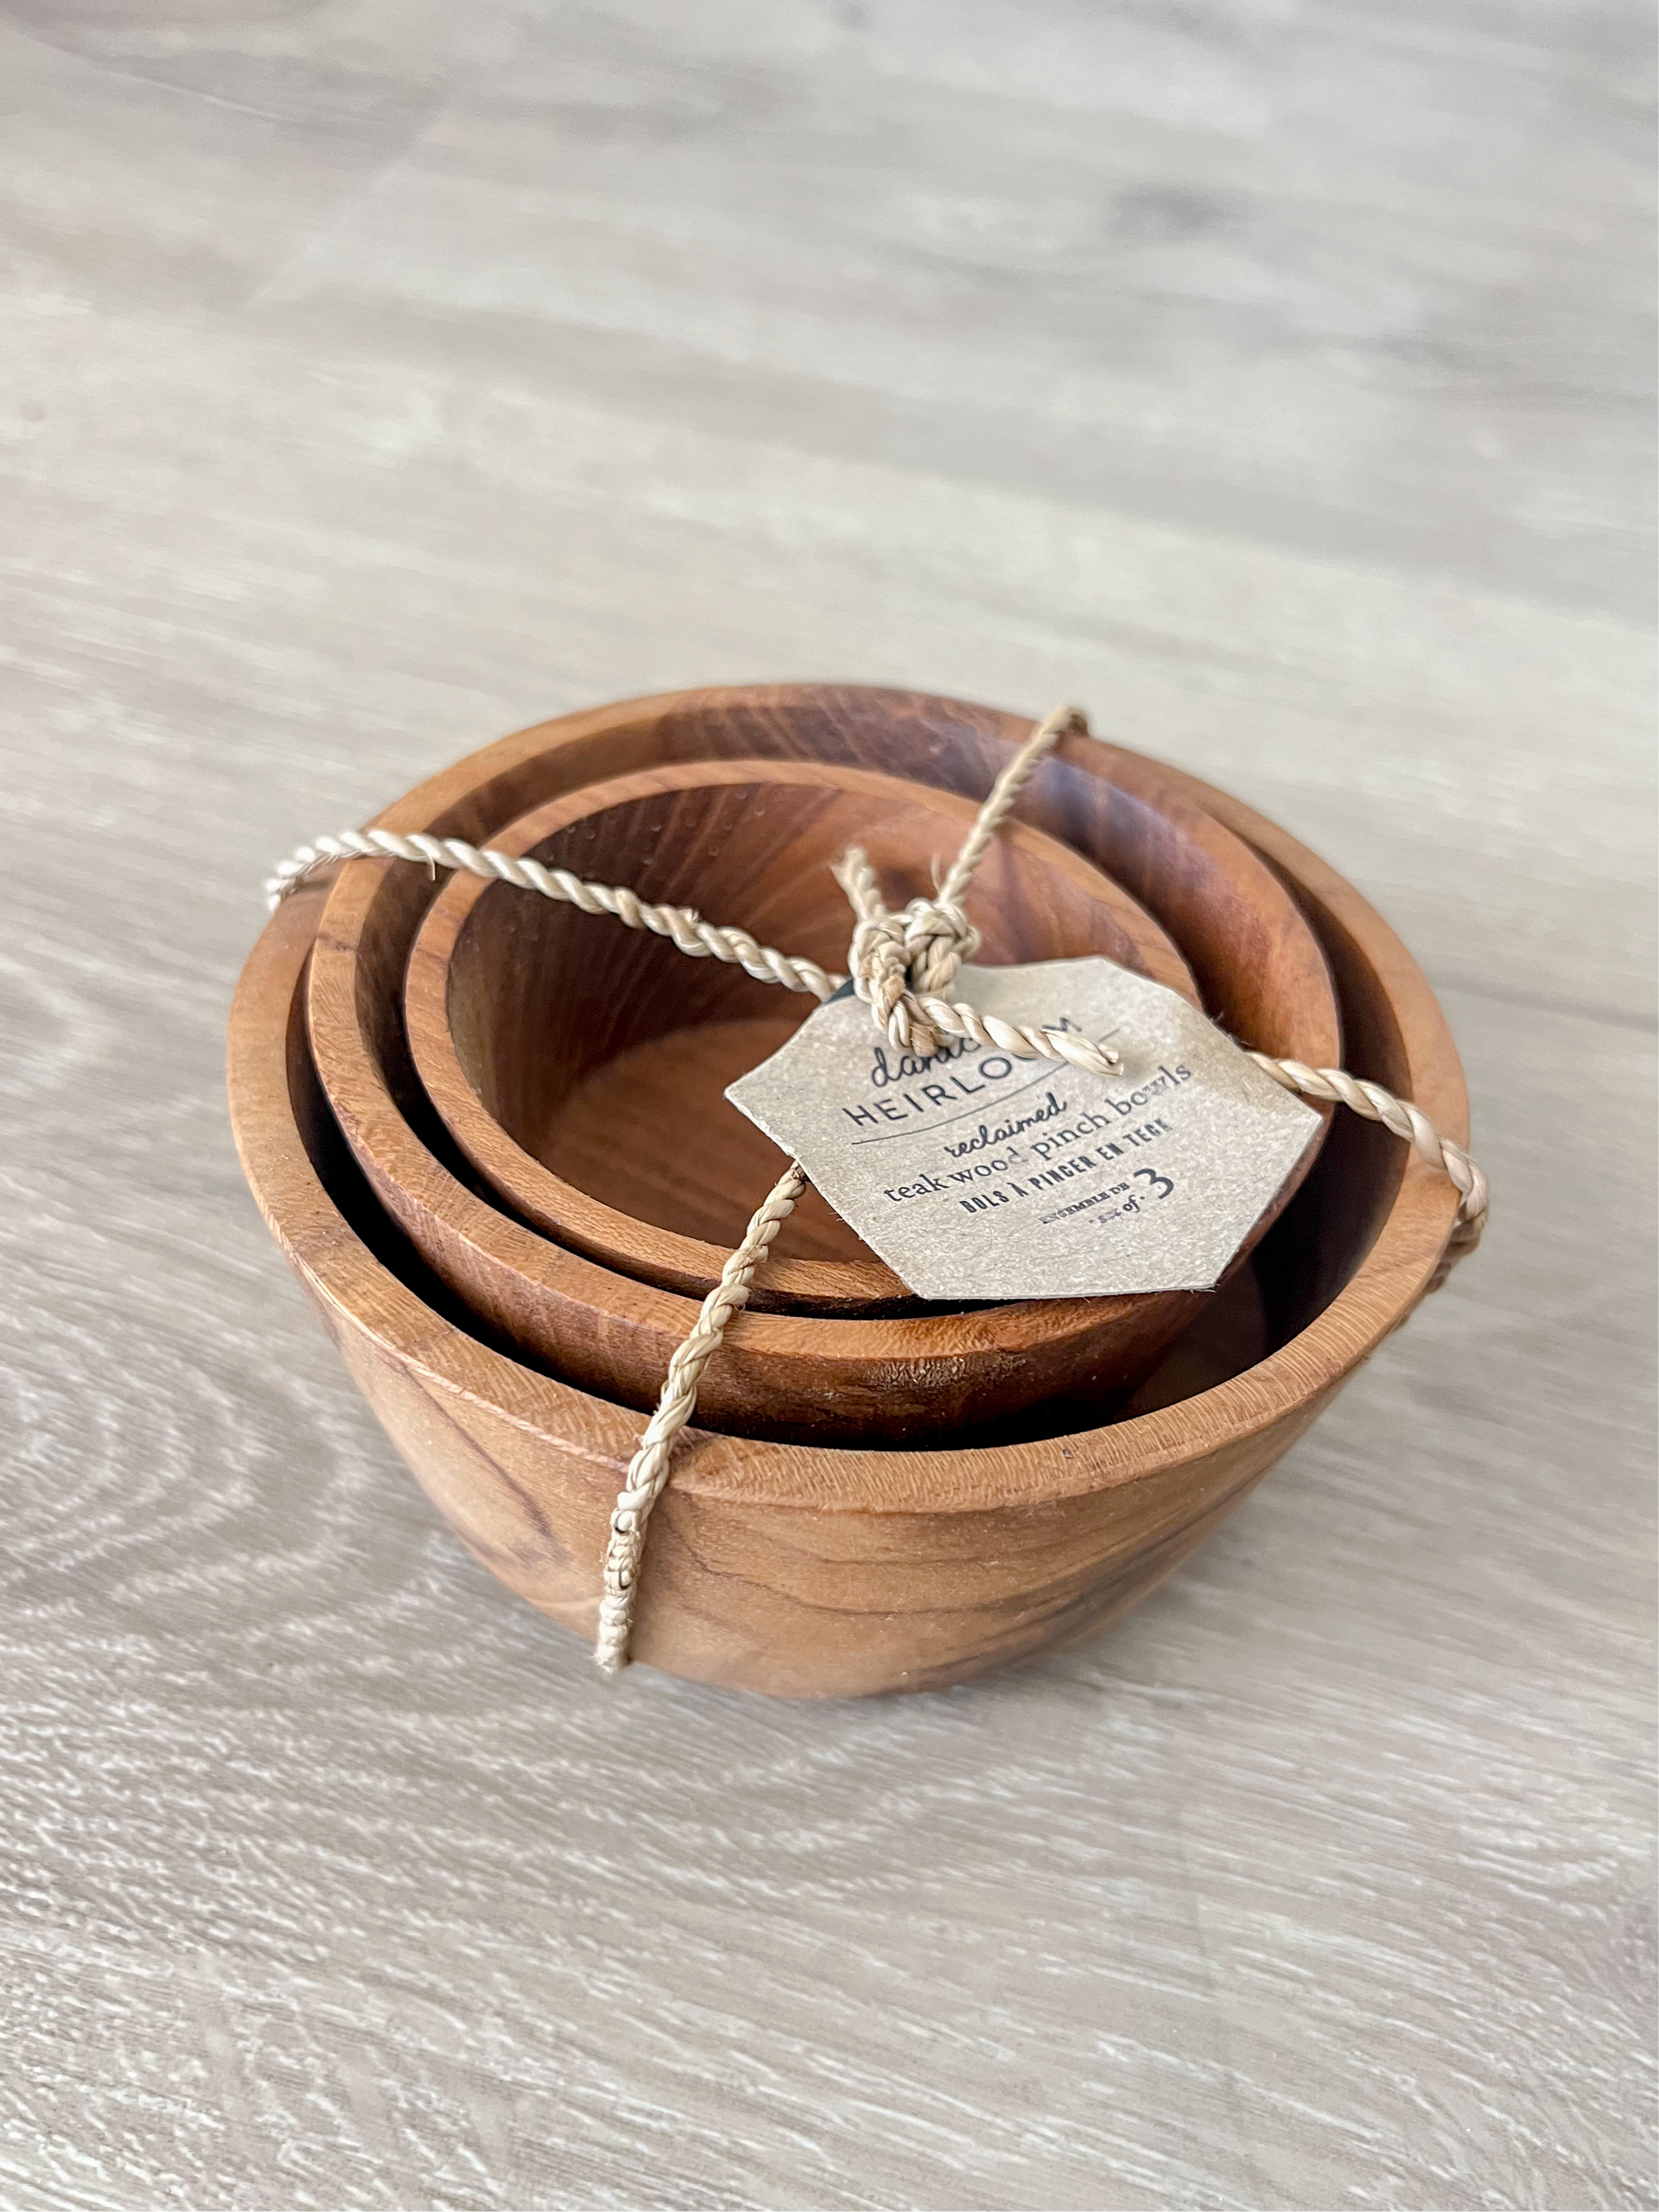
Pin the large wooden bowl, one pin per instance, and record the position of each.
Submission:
(814, 1571)
(581, 1067)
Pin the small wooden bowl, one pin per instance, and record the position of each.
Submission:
(789, 1376)
(820, 1572)
(576, 1063)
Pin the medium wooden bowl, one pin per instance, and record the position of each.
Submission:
(813, 1571)
(917, 1371)
(581, 1067)
(1259, 967)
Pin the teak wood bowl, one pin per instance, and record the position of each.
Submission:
(893, 1378)
(817, 1571)
(575, 1061)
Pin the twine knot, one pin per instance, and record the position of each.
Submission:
(938, 938)
(903, 964)
(900, 961)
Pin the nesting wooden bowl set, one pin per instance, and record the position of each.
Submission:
(488, 1131)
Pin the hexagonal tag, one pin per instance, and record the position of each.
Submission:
(978, 1176)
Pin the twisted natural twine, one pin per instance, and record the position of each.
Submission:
(684, 927)
(902, 964)
(647, 1471)
(1399, 1116)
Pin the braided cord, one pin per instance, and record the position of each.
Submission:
(1003, 793)
(647, 1471)
(684, 928)
(1398, 1115)
(881, 958)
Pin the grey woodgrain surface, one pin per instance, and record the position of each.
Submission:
(382, 374)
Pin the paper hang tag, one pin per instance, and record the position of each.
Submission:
(976, 1175)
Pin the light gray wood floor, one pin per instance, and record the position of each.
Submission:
(380, 375)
